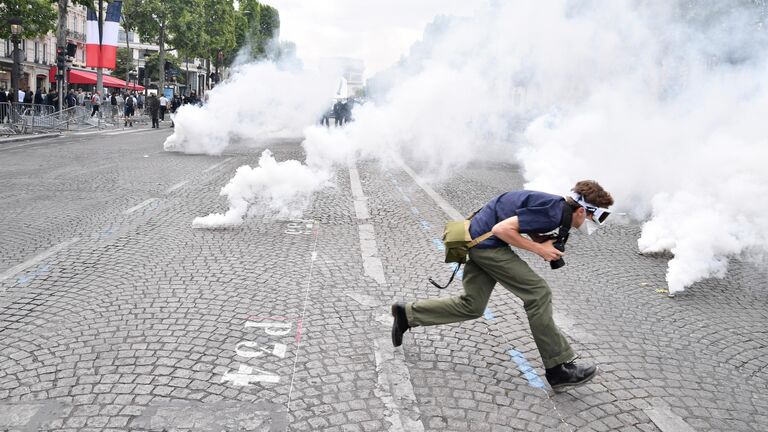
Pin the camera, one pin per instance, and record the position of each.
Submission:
(559, 244)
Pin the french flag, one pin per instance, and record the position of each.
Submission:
(101, 43)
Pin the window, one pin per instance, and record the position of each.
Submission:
(45, 53)
(37, 52)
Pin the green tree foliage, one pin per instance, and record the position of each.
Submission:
(161, 22)
(258, 27)
(123, 63)
(38, 17)
(152, 65)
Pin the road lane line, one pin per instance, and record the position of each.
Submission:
(213, 167)
(140, 206)
(371, 263)
(667, 421)
(361, 202)
(447, 208)
(176, 186)
(37, 259)
(394, 388)
(393, 380)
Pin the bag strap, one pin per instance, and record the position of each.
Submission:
(483, 237)
(456, 270)
(480, 239)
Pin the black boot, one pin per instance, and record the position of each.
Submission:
(569, 374)
(400, 324)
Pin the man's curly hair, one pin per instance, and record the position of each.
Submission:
(593, 193)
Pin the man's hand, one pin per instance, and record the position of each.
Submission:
(508, 230)
(549, 252)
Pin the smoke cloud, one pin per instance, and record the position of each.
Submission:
(273, 189)
(259, 101)
(662, 102)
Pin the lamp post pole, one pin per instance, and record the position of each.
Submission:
(16, 30)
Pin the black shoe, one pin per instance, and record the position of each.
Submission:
(400, 324)
(569, 374)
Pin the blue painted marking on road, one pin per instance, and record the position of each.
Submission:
(488, 314)
(105, 233)
(424, 225)
(406, 199)
(438, 244)
(414, 210)
(534, 380)
(41, 269)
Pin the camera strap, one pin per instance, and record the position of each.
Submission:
(565, 223)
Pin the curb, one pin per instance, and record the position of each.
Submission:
(23, 138)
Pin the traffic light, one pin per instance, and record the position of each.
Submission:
(61, 57)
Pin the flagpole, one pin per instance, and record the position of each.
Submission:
(100, 70)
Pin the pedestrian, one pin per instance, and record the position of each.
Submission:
(3, 105)
(130, 109)
(53, 100)
(499, 225)
(163, 106)
(140, 102)
(347, 111)
(39, 97)
(153, 105)
(80, 97)
(338, 115)
(28, 96)
(20, 96)
(113, 103)
(96, 103)
(175, 104)
(71, 101)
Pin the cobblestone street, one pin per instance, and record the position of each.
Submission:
(116, 314)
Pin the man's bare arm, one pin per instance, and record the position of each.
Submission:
(508, 231)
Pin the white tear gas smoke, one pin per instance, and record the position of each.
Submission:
(662, 102)
(259, 101)
(281, 189)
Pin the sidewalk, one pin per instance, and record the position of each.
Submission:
(26, 137)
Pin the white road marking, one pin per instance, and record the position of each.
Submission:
(393, 380)
(37, 259)
(361, 202)
(667, 421)
(213, 167)
(393, 385)
(370, 251)
(447, 208)
(176, 186)
(140, 206)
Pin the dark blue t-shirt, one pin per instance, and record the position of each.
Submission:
(537, 213)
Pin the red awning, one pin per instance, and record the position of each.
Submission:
(86, 77)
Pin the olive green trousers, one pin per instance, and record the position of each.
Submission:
(484, 269)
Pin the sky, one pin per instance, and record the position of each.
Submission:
(377, 32)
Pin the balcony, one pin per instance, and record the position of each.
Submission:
(76, 35)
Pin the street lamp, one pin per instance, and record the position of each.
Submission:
(200, 72)
(16, 30)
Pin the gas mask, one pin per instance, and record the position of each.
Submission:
(588, 227)
(599, 215)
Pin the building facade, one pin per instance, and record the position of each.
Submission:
(38, 55)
